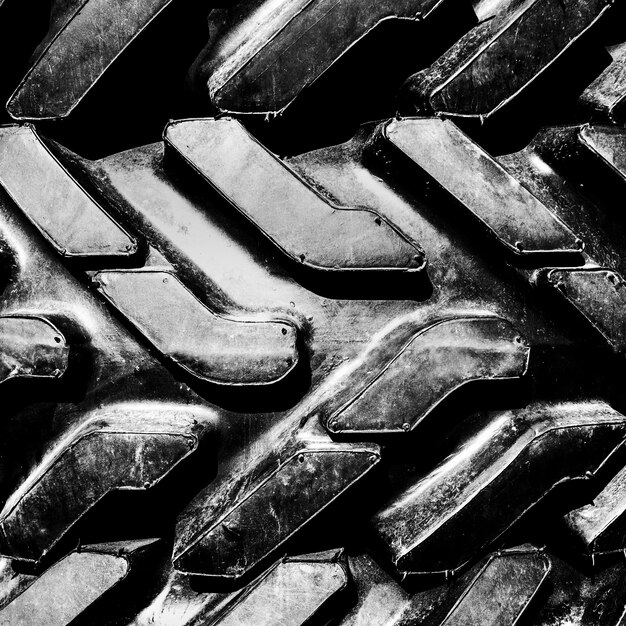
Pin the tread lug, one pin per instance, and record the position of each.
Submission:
(452, 514)
(117, 447)
(69, 587)
(316, 580)
(66, 215)
(607, 144)
(501, 590)
(308, 228)
(586, 152)
(85, 37)
(243, 517)
(501, 56)
(252, 68)
(497, 590)
(599, 296)
(579, 599)
(432, 365)
(211, 347)
(598, 528)
(606, 95)
(511, 213)
(31, 347)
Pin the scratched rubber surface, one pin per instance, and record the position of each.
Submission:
(313, 312)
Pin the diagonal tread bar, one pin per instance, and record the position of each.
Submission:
(122, 446)
(66, 215)
(502, 590)
(251, 67)
(83, 41)
(214, 348)
(305, 226)
(599, 295)
(436, 362)
(523, 224)
(606, 96)
(501, 57)
(249, 512)
(69, 587)
(315, 579)
(508, 464)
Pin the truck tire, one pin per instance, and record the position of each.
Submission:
(313, 316)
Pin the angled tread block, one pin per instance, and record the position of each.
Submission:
(66, 215)
(584, 151)
(314, 579)
(579, 599)
(562, 194)
(31, 347)
(304, 225)
(450, 515)
(600, 527)
(435, 362)
(606, 96)
(209, 346)
(70, 586)
(125, 446)
(266, 54)
(319, 581)
(594, 289)
(501, 590)
(607, 145)
(501, 56)
(248, 513)
(598, 294)
(511, 213)
(497, 590)
(85, 37)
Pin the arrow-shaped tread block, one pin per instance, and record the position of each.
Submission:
(265, 54)
(210, 347)
(294, 592)
(69, 587)
(598, 294)
(122, 447)
(308, 228)
(246, 515)
(506, 209)
(433, 364)
(600, 527)
(66, 215)
(606, 96)
(31, 347)
(85, 37)
(500, 57)
(452, 514)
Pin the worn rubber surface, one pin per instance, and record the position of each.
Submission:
(273, 355)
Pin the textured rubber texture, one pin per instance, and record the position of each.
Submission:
(375, 381)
